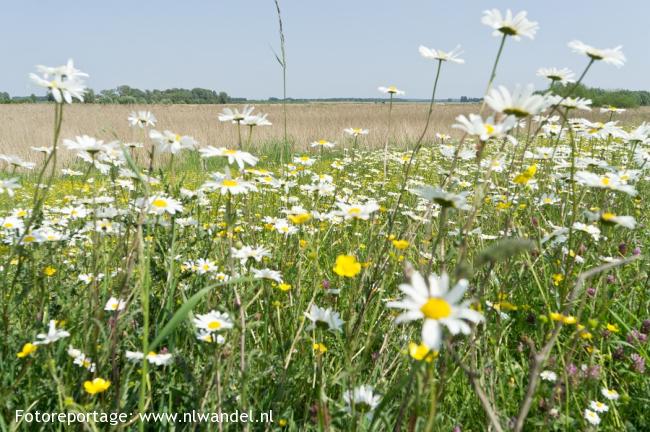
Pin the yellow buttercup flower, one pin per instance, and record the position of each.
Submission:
(98, 385)
(347, 266)
(319, 347)
(299, 219)
(527, 175)
(28, 348)
(569, 320)
(284, 286)
(49, 271)
(421, 352)
(400, 244)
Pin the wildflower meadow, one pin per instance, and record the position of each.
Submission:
(493, 280)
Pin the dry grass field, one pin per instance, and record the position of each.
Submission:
(23, 126)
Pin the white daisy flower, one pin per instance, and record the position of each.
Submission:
(114, 304)
(598, 407)
(391, 90)
(53, 334)
(169, 142)
(357, 211)
(548, 375)
(608, 55)
(553, 74)
(226, 184)
(592, 417)
(355, 132)
(434, 54)
(325, 318)
(361, 400)
(241, 158)
(266, 273)
(142, 119)
(523, 102)
(213, 321)
(510, 25)
(323, 144)
(160, 204)
(235, 116)
(437, 305)
(609, 394)
(484, 130)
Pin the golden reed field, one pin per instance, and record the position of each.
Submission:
(26, 125)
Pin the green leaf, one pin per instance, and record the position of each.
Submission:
(502, 250)
(185, 309)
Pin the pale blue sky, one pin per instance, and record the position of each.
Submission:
(335, 48)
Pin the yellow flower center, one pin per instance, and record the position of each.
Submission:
(436, 308)
(489, 129)
(230, 152)
(354, 211)
(607, 216)
(159, 203)
(605, 181)
(230, 183)
(214, 325)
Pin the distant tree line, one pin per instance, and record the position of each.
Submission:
(128, 95)
(601, 97)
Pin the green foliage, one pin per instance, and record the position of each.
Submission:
(620, 98)
(128, 95)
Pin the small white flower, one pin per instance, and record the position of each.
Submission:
(355, 132)
(598, 407)
(169, 142)
(213, 321)
(433, 54)
(142, 119)
(563, 75)
(548, 375)
(391, 90)
(484, 130)
(361, 400)
(114, 304)
(592, 417)
(324, 318)
(234, 156)
(609, 394)
(53, 334)
(266, 273)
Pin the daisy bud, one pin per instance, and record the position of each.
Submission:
(622, 248)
